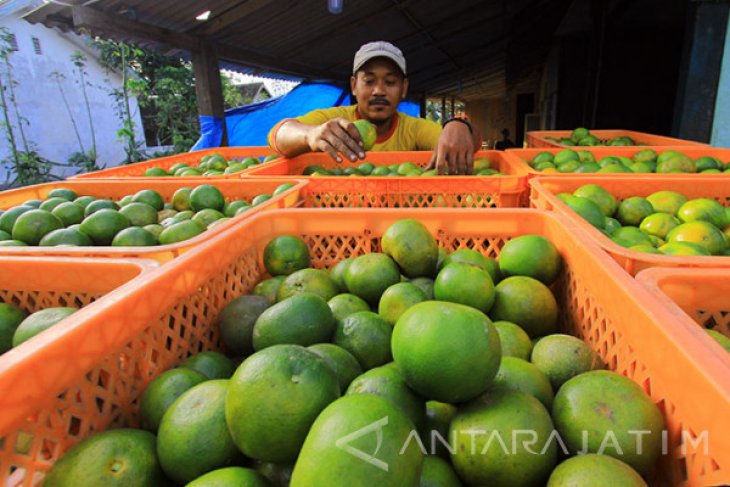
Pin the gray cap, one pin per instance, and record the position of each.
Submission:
(378, 49)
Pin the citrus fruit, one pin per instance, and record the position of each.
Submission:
(480, 459)
(207, 216)
(237, 320)
(13, 243)
(32, 203)
(134, 237)
(447, 352)
(517, 374)
(632, 211)
(437, 472)
(465, 284)
(684, 248)
(39, 321)
(412, 247)
(198, 413)
(343, 363)
(65, 236)
(206, 196)
(587, 209)
(531, 255)
(155, 172)
(561, 357)
(97, 205)
(397, 299)
(113, 458)
(369, 275)
(425, 284)
(350, 430)
(343, 305)
(162, 392)
(282, 188)
(213, 365)
(514, 340)
(566, 155)
(526, 302)
(659, 224)
(181, 199)
(543, 157)
(723, 340)
(591, 470)
(69, 213)
(303, 319)
(51, 203)
(103, 225)
(7, 219)
(230, 476)
(149, 197)
(388, 382)
(337, 273)
(67, 194)
(10, 317)
(32, 226)
(235, 208)
(470, 256)
(630, 236)
(703, 209)
(155, 230)
(675, 164)
(600, 196)
(260, 199)
(285, 254)
(139, 214)
(366, 336)
(367, 132)
(273, 399)
(180, 231)
(701, 233)
(595, 404)
(268, 288)
(314, 281)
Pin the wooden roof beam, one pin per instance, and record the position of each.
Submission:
(230, 16)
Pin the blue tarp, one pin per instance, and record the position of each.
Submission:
(249, 125)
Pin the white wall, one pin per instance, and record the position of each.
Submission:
(39, 99)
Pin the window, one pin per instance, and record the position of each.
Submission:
(13, 42)
(37, 45)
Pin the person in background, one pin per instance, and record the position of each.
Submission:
(505, 143)
(378, 83)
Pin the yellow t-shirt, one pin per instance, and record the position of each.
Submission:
(407, 133)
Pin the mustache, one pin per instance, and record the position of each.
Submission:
(379, 101)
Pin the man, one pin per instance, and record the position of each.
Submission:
(379, 83)
(505, 143)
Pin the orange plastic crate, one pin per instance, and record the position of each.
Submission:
(520, 158)
(544, 191)
(137, 170)
(231, 189)
(508, 191)
(33, 374)
(537, 138)
(696, 299)
(599, 303)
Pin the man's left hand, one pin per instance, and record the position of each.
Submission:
(454, 151)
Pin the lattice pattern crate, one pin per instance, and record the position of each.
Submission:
(231, 189)
(520, 158)
(35, 371)
(178, 305)
(506, 191)
(544, 191)
(694, 297)
(136, 171)
(537, 138)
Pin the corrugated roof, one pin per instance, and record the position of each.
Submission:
(461, 48)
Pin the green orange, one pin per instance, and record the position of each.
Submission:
(285, 254)
(162, 392)
(532, 256)
(526, 302)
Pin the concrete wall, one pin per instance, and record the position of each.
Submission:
(39, 99)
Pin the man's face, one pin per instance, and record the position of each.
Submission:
(379, 86)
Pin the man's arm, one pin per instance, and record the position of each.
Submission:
(335, 136)
(455, 148)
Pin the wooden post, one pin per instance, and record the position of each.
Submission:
(208, 86)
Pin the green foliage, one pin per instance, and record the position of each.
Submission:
(163, 85)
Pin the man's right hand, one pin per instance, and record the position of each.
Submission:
(335, 137)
